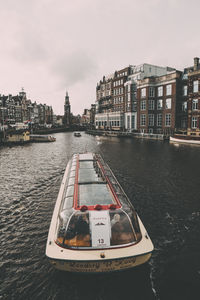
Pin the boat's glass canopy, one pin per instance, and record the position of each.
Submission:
(91, 194)
(92, 186)
(86, 156)
(98, 229)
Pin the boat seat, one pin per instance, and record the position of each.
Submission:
(81, 240)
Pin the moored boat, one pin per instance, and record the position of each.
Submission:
(185, 140)
(42, 138)
(94, 227)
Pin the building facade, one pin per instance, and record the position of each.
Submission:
(116, 97)
(193, 101)
(20, 110)
(159, 100)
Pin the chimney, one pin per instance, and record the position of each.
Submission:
(196, 63)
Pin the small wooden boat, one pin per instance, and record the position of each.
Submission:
(42, 138)
(77, 134)
(94, 227)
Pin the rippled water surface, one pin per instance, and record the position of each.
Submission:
(161, 180)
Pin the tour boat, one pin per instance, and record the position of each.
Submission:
(94, 227)
(77, 134)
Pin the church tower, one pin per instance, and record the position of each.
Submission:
(67, 111)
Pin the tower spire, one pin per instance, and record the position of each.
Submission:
(67, 110)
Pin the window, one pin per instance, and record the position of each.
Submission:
(195, 86)
(184, 123)
(194, 104)
(143, 92)
(133, 122)
(185, 89)
(168, 89)
(128, 122)
(151, 91)
(160, 91)
(143, 105)
(194, 122)
(151, 120)
(168, 104)
(168, 120)
(143, 120)
(159, 104)
(159, 120)
(184, 106)
(151, 104)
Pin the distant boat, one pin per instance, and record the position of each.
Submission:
(94, 227)
(42, 138)
(77, 134)
(17, 138)
(111, 134)
(185, 139)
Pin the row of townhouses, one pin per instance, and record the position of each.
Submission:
(20, 110)
(150, 99)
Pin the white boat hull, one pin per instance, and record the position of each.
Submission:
(184, 141)
(100, 266)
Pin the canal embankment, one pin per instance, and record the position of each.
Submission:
(112, 133)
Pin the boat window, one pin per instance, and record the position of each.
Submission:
(117, 189)
(123, 199)
(64, 218)
(70, 191)
(77, 232)
(122, 231)
(68, 202)
(71, 181)
(134, 220)
(72, 173)
(92, 194)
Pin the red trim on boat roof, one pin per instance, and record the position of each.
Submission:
(110, 185)
(97, 206)
(75, 204)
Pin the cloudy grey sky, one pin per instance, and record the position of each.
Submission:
(50, 46)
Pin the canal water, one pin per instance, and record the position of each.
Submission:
(161, 179)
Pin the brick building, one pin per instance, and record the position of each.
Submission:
(159, 100)
(193, 101)
(116, 96)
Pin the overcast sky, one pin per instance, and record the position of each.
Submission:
(50, 46)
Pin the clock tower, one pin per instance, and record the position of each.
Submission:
(67, 111)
